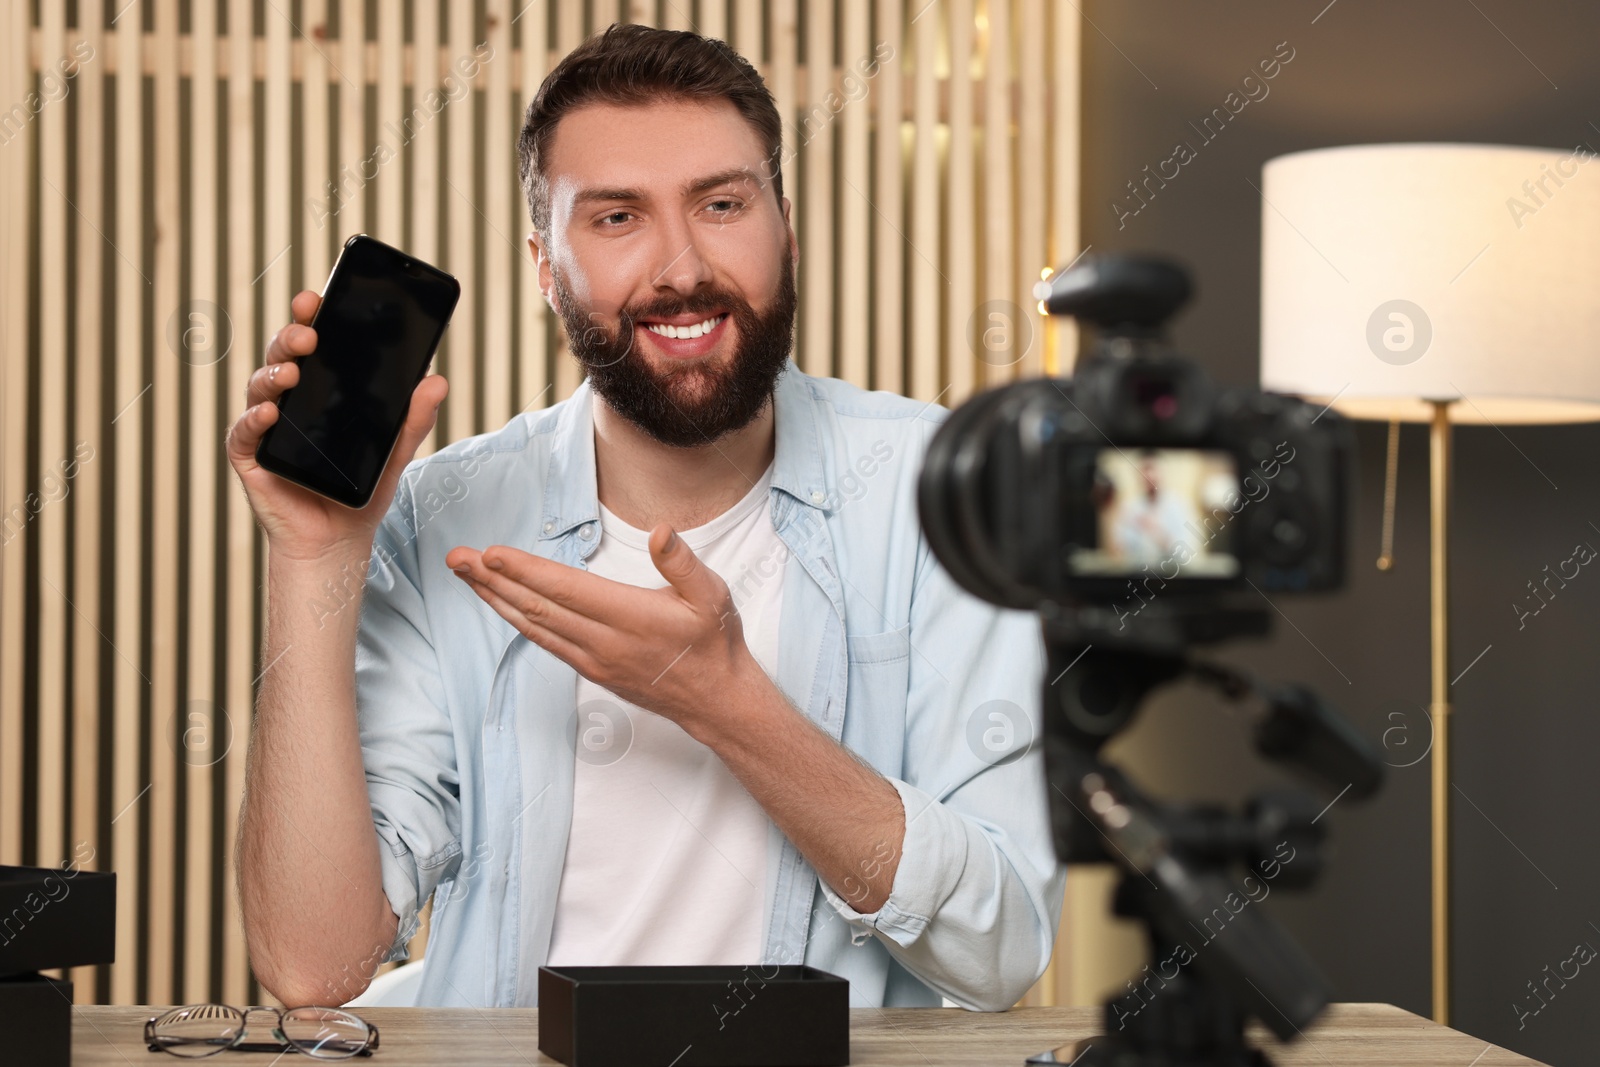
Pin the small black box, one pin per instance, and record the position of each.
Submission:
(758, 1015)
(36, 1020)
(56, 917)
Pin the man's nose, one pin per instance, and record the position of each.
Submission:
(682, 267)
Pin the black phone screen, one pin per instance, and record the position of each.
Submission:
(381, 317)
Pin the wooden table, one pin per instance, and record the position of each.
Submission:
(1349, 1035)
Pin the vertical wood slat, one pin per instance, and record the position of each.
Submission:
(89, 446)
(888, 196)
(854, 259)
(814, 133)
(642, 12)
(351, 175)
(569, 33)
(197, 325)
(962, 334)
(532, 350)
(16, 184)
(162, 499)
(924, 235)
(1065, 154)
(998, 224)
(315, 233)
(464, 223)
(1033, 167)
(713, 18)
(499, 209)
(424, 150)
(268, 266)
(748, 24)
(50, 523)
(390, 191)
(129, 787)
(780, 72)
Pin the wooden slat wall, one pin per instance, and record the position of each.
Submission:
(931, 158)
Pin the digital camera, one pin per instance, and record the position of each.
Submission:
(1139, 477)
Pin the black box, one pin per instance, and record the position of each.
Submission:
(36, 1021)
(56, 917)
(758, 1015)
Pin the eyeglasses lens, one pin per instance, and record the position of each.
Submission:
(201, 1030)
(325, 1033)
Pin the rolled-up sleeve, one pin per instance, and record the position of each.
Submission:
(977, 896)
(407, 744)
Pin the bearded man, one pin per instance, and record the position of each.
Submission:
(664, 673)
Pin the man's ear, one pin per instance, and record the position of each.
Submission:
(794, 243)
(541, 260)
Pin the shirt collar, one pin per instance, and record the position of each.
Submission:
(572, 497)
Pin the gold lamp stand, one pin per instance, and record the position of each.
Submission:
(1439, 710)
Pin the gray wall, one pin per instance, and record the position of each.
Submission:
(1526, 871)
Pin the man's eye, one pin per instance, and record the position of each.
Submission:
(724, 207)
(616, 218)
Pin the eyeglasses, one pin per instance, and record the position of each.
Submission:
(207, 1029)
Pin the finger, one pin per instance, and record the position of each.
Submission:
(294, 341)
(270, 382)
(590, 595)
(694, 581)
(536, 608)
(558, 646)
(304, 305)
(420, 418)
(245, 436)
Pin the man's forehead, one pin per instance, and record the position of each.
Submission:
(665, 148)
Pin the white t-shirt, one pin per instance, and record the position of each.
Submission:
(666, 861)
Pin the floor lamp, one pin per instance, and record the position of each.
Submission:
(1436, 283)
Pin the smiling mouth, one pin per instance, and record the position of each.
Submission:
(698, 329)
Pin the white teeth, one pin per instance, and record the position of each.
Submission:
(699, 329)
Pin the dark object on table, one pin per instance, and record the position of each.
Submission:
(36, 1017)
(49, 917)
(758, 1015)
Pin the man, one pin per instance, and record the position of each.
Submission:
(666, 672)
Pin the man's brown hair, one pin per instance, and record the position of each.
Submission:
(632, 65)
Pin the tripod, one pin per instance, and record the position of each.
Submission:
(1216, 959)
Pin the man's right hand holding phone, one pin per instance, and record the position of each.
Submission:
(316, 919)
(300, 524)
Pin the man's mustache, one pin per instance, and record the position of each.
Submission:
(663, 309)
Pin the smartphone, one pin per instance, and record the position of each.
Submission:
(380, 320)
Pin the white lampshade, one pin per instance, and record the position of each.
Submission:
(1396, 274)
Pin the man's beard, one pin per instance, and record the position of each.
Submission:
(697, 403)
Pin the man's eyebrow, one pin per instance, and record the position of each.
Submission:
(691, 188)
(588, 195)
(726, 177)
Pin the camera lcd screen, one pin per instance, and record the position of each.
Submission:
(1166, 511)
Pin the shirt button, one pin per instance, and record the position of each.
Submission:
(818, 496)
(549, 526)
(586, 531)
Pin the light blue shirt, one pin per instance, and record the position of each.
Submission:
(467, 727)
